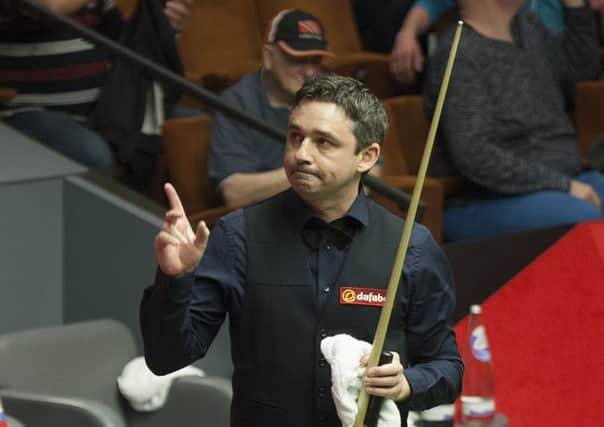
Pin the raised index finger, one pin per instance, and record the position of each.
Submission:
(173, 198)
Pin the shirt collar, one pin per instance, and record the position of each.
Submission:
(358, 211)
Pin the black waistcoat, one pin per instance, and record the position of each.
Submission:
(280, 377)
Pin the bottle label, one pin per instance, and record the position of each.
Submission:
(480, 345)
(474, 406)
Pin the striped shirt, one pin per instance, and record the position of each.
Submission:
(49, 67)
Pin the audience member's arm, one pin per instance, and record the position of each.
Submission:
(243, 189)
(407, 59)
(63, 7)
(242, 174)
(178, 13)
(574, 54)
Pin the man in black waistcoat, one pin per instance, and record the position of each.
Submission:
(308, 263)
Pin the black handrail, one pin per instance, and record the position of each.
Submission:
(170, 78)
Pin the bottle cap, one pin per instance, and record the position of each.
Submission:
(475, 309)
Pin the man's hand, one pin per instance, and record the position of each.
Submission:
(585, 192)
(178, 13)
(407, 58)
(177, 248)
(387, 380)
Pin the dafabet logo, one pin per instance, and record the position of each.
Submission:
(362, 296)
(349, 296)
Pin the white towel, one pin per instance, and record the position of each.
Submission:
(146, 391)
(344, 354)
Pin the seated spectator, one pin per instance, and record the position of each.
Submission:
(407, 56)
(58, 76)
(246, 164)
(504, 127)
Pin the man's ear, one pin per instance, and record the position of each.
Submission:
(368, 157)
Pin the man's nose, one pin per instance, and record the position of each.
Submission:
(303, 152)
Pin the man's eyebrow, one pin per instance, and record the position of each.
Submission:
(325, 134)
(315, 132)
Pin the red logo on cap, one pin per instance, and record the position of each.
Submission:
(362, 296)
(309, 27)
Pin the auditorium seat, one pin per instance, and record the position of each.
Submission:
(66, 375)
(343, 39)
(221, 43)
(186, 145)
(589, 114)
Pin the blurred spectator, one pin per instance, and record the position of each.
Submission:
(59, 76)
(408, 58)
(504, 126)
(246, 164)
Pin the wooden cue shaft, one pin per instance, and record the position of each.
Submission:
(384, 320)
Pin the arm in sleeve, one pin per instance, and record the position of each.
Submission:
(435, 8)
(435, 367)
(467, 128)
(574, 54)
(180, 317)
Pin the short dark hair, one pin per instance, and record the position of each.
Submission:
(360, 105)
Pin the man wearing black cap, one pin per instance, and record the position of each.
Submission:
(245, 164)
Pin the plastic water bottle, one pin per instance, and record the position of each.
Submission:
(477, 399)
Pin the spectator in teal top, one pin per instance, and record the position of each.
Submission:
(550, 11)
(407, 58)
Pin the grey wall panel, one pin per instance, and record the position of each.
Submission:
(23, 159)
(109, 255)
(31, 255)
